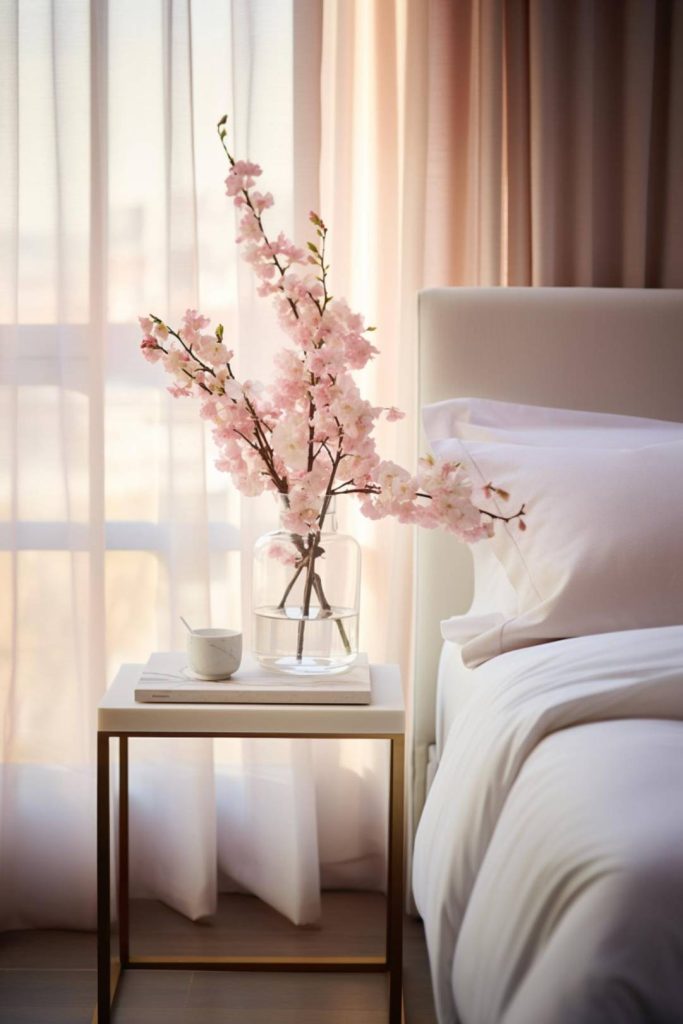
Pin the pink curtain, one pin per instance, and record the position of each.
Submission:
(549, 140)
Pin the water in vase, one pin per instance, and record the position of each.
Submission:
(330, 639)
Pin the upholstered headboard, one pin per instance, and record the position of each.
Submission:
(612, 350)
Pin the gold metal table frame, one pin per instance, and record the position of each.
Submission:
(109, 968)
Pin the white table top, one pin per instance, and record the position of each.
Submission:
(118, 711)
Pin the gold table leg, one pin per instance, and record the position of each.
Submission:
(395, 881)
(103, 883)
(123, 903)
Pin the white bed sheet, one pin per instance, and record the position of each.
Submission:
(455, 685)
(548, 862)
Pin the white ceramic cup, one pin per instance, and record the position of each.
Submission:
(214, 653)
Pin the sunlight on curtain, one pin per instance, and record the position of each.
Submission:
(364, 171)
(114, 207)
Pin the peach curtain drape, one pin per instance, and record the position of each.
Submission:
(550, 138)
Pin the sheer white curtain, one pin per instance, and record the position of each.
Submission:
(113, 518)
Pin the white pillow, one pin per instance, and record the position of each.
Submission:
(603, 550)
(484, 419)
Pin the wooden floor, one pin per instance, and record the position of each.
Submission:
(49, 977)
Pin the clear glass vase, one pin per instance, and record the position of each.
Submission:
(306, 594)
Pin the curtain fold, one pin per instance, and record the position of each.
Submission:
(49, 556)
(553, 141)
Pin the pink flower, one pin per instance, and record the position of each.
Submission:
(358, 351)
(261, 202)
(246, 169)
(233, 389)
(290, 441)
(160, 332)
(282, 246)
(177, 361)
(304, 508)
(241, 177)
(151, 350)
(194, 321)
(328, 360)
(371, 510)
(249, 228)
(394, 414)
(266, 271)
(207, 409)
(211, 351)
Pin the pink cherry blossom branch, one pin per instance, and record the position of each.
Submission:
(376, 490)
(261, 444)
(222, 133)
(318, 259)
(315, 406)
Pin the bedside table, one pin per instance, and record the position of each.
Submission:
(119, 716)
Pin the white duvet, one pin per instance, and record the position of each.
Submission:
(548, 863)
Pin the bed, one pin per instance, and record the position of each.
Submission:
(548, 855)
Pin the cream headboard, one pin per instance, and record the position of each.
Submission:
(608, 349)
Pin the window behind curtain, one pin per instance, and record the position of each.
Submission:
(153, 193)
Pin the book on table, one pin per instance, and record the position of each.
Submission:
(167, 679)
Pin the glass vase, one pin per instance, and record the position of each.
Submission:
(306, 594)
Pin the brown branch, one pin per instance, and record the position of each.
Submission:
(503, 519)
(245, 192)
